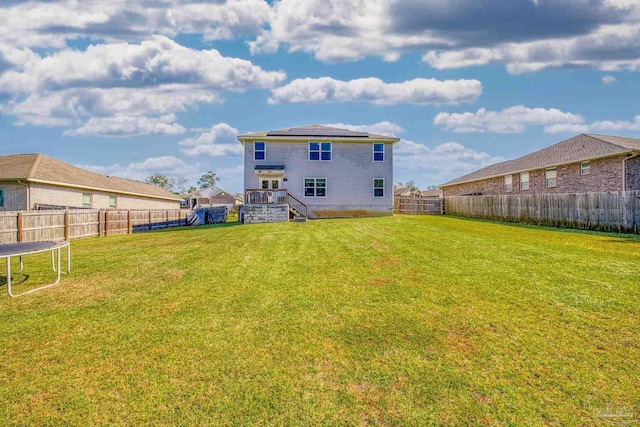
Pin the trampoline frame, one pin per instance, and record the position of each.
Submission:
(21, 250)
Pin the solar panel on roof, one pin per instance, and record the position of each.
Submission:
(332, 132)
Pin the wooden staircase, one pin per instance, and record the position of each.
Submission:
(297, 210)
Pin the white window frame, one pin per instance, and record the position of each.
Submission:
(378, 188)
(263, 151)
(320, 151)
(115, 202)
(522, 187)
(585, 168)
(378, 152)
(315, 186)
(507, 183)
(547, 178)
(90, 200)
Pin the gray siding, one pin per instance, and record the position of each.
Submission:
(349, 174)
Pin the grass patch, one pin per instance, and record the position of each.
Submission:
(383, 321)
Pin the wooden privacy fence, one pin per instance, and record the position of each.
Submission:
(417, 206)
(34, 226)
(616, 211)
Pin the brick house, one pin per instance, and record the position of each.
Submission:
(29, 180)
(584, 163)
(208, 197)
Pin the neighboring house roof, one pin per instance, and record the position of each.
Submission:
(39, 168)
(577, 149)
(317, 131)
(206, 193)
(431, 193)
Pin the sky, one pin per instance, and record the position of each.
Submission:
(131, 89)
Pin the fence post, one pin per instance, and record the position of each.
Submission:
(100, 223)
(66, 225)
(149, 219)
(167, 216)
(106, 223)
(129, 222)
(20, 225)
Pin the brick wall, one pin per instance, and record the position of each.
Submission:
(604, 175)
(255, 214)
(64, 196)
(633, 173)
(15, 196)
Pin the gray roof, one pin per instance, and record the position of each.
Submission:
(579, 148)
(270, 167)
(45, 169)
(318, 131)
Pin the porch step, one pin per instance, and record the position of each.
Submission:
(299, 218)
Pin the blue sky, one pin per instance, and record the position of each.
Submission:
(135, 88)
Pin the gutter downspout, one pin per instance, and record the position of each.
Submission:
(624, 170)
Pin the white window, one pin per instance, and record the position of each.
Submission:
(378, 152)
(550, 178)
(113, 202)
(508, 183)
(378, 187)
(319, 151)
(524, 180)
(86, 200)
(584, 168)
(315, 187)
(259, 150)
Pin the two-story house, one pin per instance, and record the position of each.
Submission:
(317, 172)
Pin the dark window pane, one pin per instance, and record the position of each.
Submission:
(378, 157)
(314, 146)
(378, 148)
(321, 192)
(378, 192)
(259, 155)
(309, 192)
(321, 182)
(326, 155)
(265, 185)
(326, 146)
(259, 146)
(314, 155)
(378, 183)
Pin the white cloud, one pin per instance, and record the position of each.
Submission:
(166, 165)
(104, 82)
(509, 120)
(375, 91)
(608, 79)
(433, 166)
(125, 126)
(608, 48)
(218, 141)
(596, 127)
(382, 128)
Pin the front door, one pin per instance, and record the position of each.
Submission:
(269, 183)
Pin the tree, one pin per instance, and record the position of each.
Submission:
(207, 180)
(160, 180)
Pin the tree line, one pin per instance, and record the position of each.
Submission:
(178, 185)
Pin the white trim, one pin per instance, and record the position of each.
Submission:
(373, 148)
(373, 183)
(546, 179)
(320, 151)
(527, 181)
(304, 188)
(583, 169)
(263, 151)
(270, 180)
(505, 184)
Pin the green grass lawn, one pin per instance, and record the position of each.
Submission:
(384, 321)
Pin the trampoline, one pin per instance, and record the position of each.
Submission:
(21, 249)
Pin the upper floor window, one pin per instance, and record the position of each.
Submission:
(378, 187)
(259, 150)
(378, 152)
(508, 183)
(319, 151)
(584, 168)
(113, 202)
(315, 187)
(524, 180)
(1, 197)
(86, 200)
(550, 176)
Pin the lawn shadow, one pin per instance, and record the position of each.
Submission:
(14, 281)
